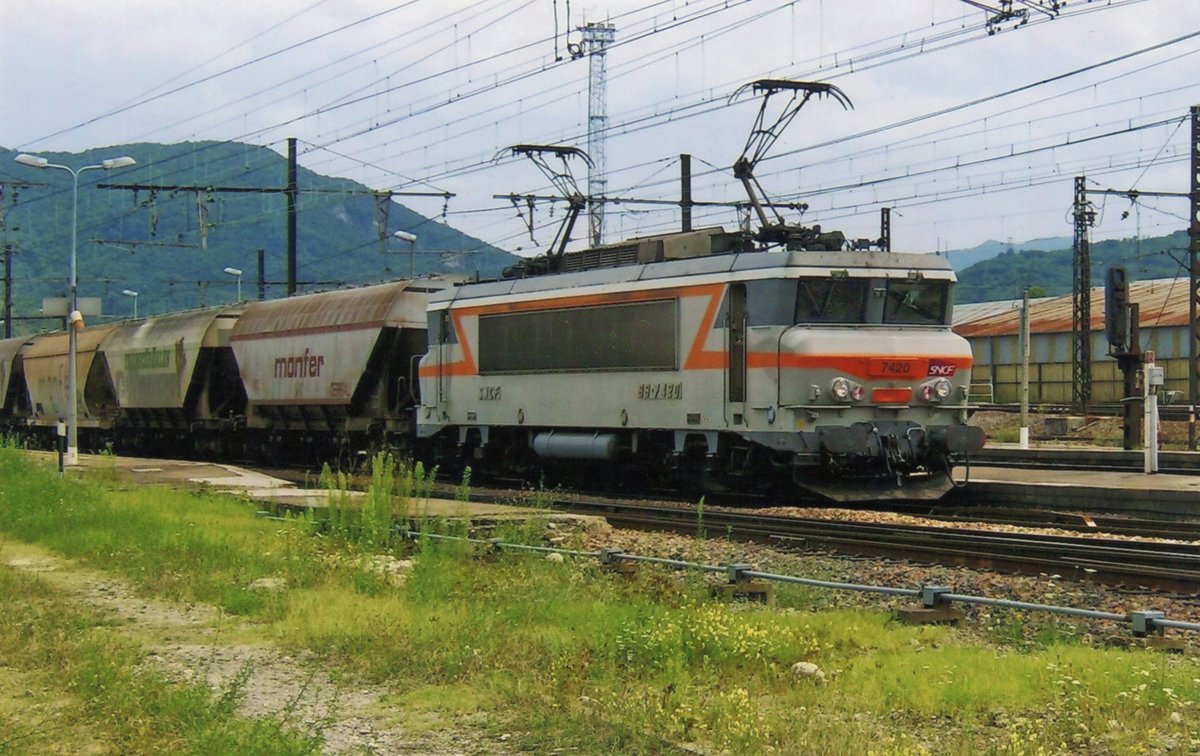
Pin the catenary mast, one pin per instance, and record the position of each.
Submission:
(596, 39)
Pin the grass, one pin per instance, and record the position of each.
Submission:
(562, 655)
(73, 684)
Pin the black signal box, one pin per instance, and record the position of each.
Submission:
(1116, 308)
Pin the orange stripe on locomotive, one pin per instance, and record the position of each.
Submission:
(862, 366)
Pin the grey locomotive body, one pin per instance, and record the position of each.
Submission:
(835, 370)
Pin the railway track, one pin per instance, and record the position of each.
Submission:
(1085, 458)
(1079, 522)
(1173, 567)
(1154, 565)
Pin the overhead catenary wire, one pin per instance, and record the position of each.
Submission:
(369, 18)
(224, 72)
(353, 152)
(398, 41)
(626, 126)
(771, 174)
(891, 201)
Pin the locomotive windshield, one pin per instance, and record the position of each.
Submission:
(916, 301)
(832, 300)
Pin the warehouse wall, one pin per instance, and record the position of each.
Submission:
(998, 364)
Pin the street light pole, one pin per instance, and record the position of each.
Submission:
(412, 246)
(134, 294)
(236, 272)
(74, 317)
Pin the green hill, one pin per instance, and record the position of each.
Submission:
(965, 258)
(1006, 275)
(172, 246)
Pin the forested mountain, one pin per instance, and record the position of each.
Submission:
(1006, 275)
(172, 246)
(962, 259)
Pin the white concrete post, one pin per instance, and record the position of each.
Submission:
(1152, 378)
(1024, 438)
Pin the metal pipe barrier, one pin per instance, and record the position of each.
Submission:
(1142, 623)
(668, 562)
(941, 596)
(910, 592)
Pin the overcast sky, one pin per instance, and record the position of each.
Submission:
(424, 94)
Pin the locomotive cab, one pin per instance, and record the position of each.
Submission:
(874, 380)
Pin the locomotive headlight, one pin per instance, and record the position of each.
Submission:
(942, 388)
(937, 391)
(840, 389)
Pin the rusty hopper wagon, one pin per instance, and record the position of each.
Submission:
(14, 396)
(331, 371)
(45, 368)
(176, 381)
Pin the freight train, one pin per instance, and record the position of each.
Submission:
(690, 358)
(705, 359)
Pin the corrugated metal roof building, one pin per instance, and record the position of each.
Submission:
(993, 328)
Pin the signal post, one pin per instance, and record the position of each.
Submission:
(1122, 331)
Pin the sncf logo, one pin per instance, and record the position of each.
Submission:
(941, 368)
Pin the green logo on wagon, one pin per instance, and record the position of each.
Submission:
(148, 359)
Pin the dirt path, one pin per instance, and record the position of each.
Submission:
(200, 643)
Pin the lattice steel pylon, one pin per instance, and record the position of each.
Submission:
(1194, 273)
(1081, 299)
(596, 39)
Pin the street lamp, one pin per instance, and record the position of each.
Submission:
(412, 245)
(132, 293)
(236, 272)
(75, 318)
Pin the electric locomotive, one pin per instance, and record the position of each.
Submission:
(687, 355)
(740, 359)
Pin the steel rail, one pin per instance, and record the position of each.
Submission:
(1143, 623)
(1090, 459)
(1077, 521)
(1152, 565)
(1169, 566)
